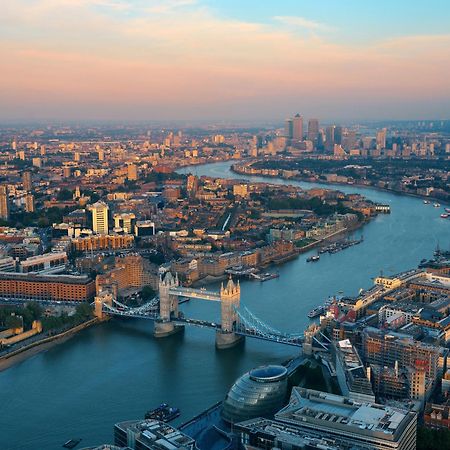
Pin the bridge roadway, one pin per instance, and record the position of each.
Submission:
(152, 313)
(241, 329)
(195, 293)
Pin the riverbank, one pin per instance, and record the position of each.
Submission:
(337, 183)
(36, 347)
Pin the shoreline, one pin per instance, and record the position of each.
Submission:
(19, 355)
(336, 183)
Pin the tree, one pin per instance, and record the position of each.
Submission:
(35, 310)
(13, 321)
(83, 312)
(64, 194)
(147, 293)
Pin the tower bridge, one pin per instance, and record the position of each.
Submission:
(235, 324)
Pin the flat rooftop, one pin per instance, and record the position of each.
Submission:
(312, 409)
(33, 277)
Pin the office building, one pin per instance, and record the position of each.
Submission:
(4, 202)
(297, 128)
(27, 181)
(313, 130)
(381, 138)
(144, 228)
(99, 212)
(351, 374)
(289, 129)
(258, 393)
(124, 222)
(388, 348)
(329, 138)
(338, 135)
(347, 423)
(151, 435)
(7, 264)
(260, 433)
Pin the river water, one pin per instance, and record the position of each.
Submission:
(116, 371)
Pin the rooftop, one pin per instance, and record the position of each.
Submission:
(313, 408)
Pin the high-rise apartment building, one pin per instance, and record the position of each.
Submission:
(99, 212)
(4, 203)
(27, 181)
(29, 203)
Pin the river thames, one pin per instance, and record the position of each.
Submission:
(117, 370)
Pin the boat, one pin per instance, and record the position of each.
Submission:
(316, 312)
(447, 210)
(163, 413)
(444, 216)
(71, 443)
(264, 276)
(313, 258)
(437, 205)
(426, 202)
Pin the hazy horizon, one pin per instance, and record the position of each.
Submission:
(196, 60)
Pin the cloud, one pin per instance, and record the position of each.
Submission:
(302, 22)
(177, 58)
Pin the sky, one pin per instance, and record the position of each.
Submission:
(224, 59)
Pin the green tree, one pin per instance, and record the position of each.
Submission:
(147, 293)
(13, 321)
(64, 194)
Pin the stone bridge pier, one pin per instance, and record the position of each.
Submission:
(230, 298)
(168, 307)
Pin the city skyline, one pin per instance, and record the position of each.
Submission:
(215, 60)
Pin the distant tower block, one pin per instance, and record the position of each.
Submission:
(168, 307)
(230, 297)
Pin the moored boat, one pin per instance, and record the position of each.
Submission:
(163, 412)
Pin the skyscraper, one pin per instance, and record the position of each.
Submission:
(289, 129)
(313, 130)
(297, 128)
(99, 212)
(381, 138)
(338, 135)
(27, 181)
(4, 203)
(329, 142)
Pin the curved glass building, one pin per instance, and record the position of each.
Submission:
(258, 393)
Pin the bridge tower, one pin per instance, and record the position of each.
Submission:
(168, 306)
(102, 297)
(230, 297)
